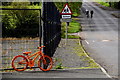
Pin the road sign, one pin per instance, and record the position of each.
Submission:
(66, 13)
(66, 10)
(66, 16)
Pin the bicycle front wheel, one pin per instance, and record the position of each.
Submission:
(45, 63)
(19, 63)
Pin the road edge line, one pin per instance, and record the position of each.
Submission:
(101, 68)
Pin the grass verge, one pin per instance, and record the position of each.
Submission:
(73, 27)
(104, 4)
(117, 15)
(79, 50)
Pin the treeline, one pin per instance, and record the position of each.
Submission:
(114, 5)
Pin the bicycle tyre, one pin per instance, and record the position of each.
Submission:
(17, 66)
(45, 67)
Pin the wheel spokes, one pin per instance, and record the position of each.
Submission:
(19, 63)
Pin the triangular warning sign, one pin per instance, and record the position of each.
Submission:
(66, 10)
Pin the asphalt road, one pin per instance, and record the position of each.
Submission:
(100, 37)
(66, 73)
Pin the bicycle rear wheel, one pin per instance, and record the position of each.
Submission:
(19, 63)
(45, 63)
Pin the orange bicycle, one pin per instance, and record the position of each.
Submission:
(20, 62)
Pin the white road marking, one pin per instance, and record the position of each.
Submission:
(105, 40)
(105, 72)
(102, 69)
(87, 42)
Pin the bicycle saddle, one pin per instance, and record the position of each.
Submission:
(26, 53)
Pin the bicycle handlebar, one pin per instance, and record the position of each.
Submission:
(41, 47)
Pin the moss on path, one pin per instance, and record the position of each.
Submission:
(72, 56)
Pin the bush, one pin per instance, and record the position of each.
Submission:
(20, 23)
(111, 4)
(115, 5)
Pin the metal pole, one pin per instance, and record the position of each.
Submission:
(67, 24)
(42, 35)
(40, 28)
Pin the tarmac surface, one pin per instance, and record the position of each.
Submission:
(100, 37)
(67, 73)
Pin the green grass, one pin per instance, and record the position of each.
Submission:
(73, 37)
(104, 4)
(80, 52)
(75, 14)
(59, 66)
(73, 27)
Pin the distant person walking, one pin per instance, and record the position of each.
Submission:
(91, 12)
(87, 13)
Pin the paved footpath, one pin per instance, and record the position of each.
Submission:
(58, 74)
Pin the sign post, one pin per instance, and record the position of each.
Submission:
(66, 17)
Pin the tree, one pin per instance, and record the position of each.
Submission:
(114, 4)
(110, 4)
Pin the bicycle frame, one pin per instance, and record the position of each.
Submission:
(31, 61)
(37, 55)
